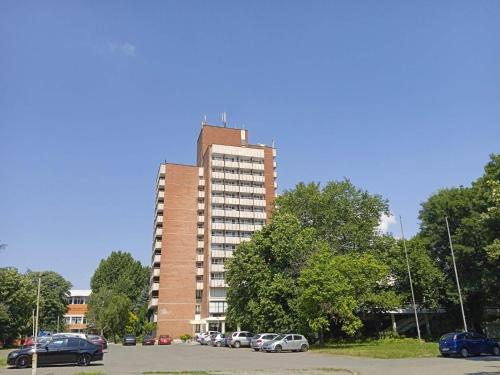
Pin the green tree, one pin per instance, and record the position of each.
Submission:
(124, 275)
(133, 325)
(98, 302)
(17, 300)
(342, 215)
(262, 276)
(116, 315)
(474, 218)
(54, 293)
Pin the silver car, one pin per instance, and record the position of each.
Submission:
(239, 338)
(260, 339)
(289, 341)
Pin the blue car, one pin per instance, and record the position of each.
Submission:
(466, 344)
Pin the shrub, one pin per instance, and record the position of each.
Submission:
(185, 337)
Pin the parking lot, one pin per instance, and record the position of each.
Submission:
(121, 360)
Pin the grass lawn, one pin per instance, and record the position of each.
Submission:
(386, 349)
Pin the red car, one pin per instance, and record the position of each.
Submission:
(164, 340)
(148, 340)
(98, 340)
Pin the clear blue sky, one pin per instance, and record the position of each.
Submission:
(401, 97)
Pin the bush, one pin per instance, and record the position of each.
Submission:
(185, 337)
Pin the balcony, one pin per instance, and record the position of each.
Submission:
(232, 188)
(161, 195)
(232, 164)
(218, 239)
(259, 190)
(246, 189)
(201, 244)
(156, 259)
(199, 272)
(201, 194)
(201, 218)
(155, 286)
(258, 178)
(257, 227)
(232, 176)
(246, 202)
(232, 201)
(218, 283)
(217, 268)
(217, 163)
(259, 202)
(159, 219)
(217, 187)
(257, 167)
(201, 231)
(201, 182)
(159, 207)
(219, 213)
(218, 226)
(260, 215)
(247, 214)
(157, 245)
(231, 213)
(219, 200)
(232, 240)
(218, 175)
(153, 302)
(218, 254)
(199, 285)
(246, 177)
(199, 257)
(231, 226)
(201, 206)
(158, 232)
(156, 272)
(247, 227)
(246, 165)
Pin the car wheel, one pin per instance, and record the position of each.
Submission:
(445, 355)
(23, 361)
(84, 360)
(277, 348)
(237, 344)
(464, 352)
(304, 348)
(496, 351)
(217, 344)
(256, 349)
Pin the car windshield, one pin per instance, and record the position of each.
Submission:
(279, 337)
(448, 336)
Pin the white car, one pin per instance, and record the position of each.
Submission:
(204, 338)
(292, 342)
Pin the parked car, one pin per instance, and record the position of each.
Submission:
(59, 350)
(260, 339)
(289, 341)
(467, 343)
(129, 340)
(31, 340)
(202, 336)
(148, 340)
(98, 340)
(164, 340)
(218, 340)
(239, 338)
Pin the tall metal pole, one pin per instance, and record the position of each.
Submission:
(33, 323)
(409, 275)
(35, 354)
(456, 274)
(57, 323)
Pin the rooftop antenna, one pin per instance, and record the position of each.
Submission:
(272, 143)
(224, 119)
(204, 121)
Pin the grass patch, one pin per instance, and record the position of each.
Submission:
(385, 349)
(3, 361)
(89, 373)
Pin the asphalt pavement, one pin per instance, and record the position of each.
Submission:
(133, 360)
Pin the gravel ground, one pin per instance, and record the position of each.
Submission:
(132, 360)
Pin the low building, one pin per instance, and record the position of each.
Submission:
(75, 320)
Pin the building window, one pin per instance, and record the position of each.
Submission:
(197, 309)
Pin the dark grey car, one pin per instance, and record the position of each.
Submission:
(260, 339)
(129, 340)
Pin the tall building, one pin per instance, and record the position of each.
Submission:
(202, 213)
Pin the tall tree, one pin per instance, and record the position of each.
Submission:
(474, 221)
(123, 274)
(54, 293)
(17, 299)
